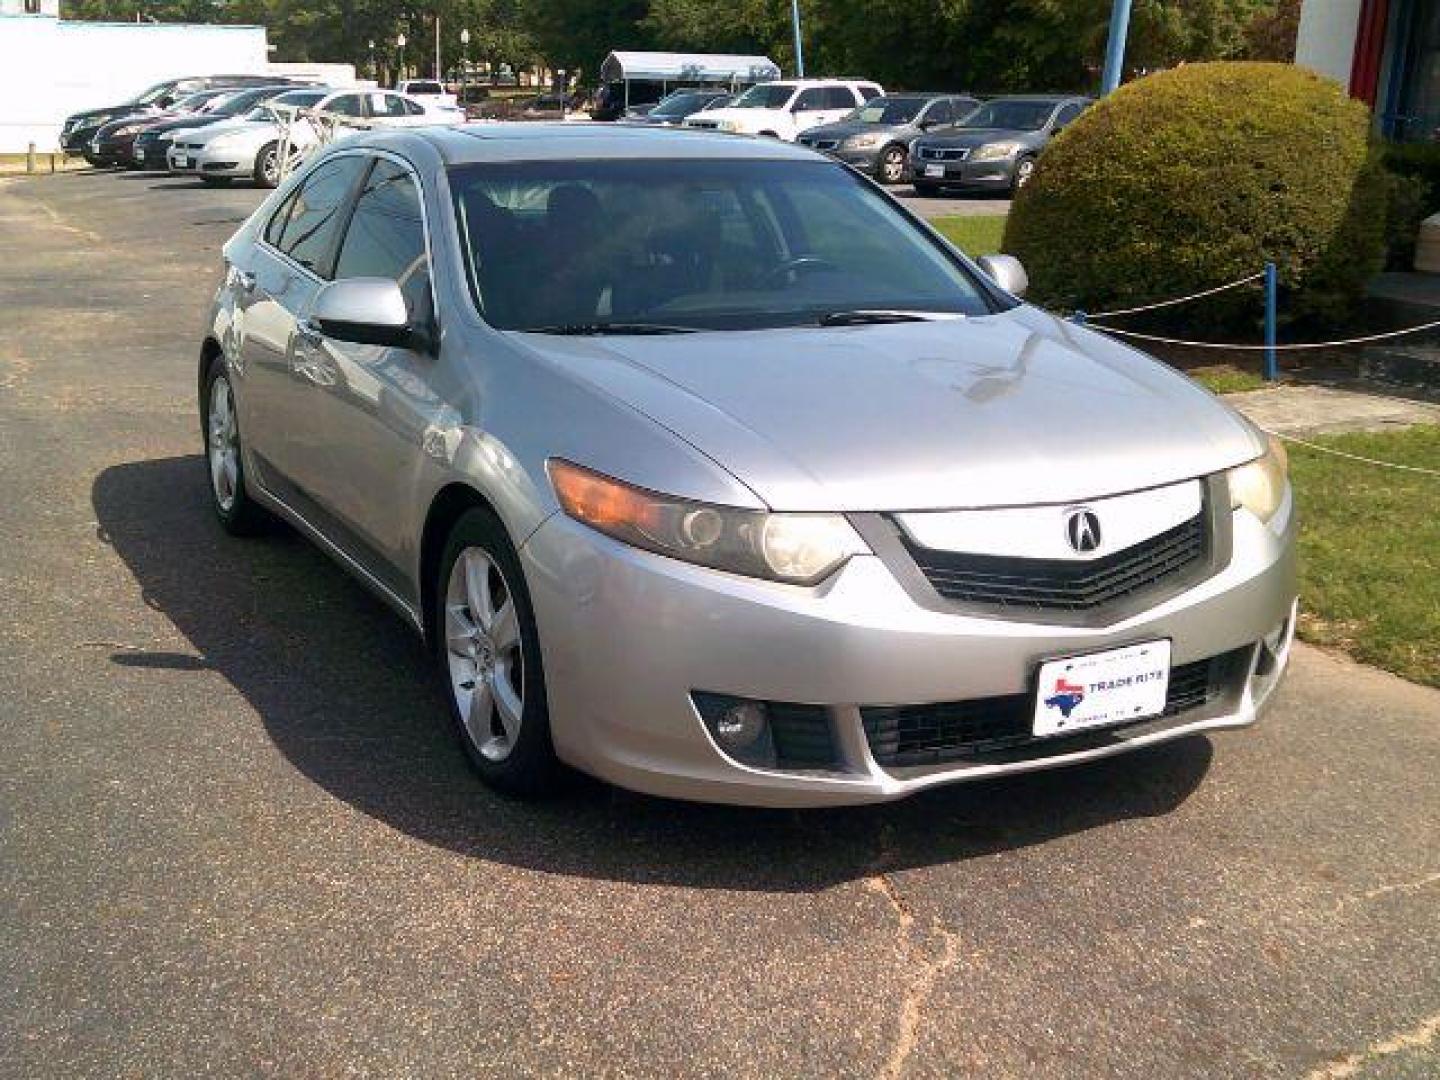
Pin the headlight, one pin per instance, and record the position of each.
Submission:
(224, 142)
(797, 548)
(128, 129)
(995, 151)
(1260, 485)
(865, 142)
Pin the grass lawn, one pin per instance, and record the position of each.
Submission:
(1370, 549)
(975, 235)
(1227, 379)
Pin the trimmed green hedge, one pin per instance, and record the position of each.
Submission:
(1199, 175)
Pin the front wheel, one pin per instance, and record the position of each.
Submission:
(267, 165)
(1024, 170)
(488, 653)
(890, 166)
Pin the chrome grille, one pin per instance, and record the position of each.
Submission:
(944, 153)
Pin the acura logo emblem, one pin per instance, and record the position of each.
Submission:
(1082, 529)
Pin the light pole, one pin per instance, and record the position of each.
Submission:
(400, 60)
(438, 69)
(799, 48)
(1115, 47)
(564, 92)
(374, 71)
(465, 63)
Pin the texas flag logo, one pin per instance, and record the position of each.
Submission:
(1067, 695)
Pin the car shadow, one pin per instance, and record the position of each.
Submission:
(345, 691)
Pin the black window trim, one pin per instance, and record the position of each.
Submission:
(348, 212)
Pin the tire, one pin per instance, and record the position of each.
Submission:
(1024, 170)
(926, 191)
(267, 166)
(505, 733)
(769, 135)
(890, 165)
(215, 181)
(238, 514)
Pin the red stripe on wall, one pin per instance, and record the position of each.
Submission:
(1369, 50)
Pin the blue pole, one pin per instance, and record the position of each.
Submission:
(1272, 369)
(1115, 47)
(799, 49)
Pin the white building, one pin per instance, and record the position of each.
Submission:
(50, 67)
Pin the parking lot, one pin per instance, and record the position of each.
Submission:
(239, 838)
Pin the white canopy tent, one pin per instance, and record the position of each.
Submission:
(687, 69)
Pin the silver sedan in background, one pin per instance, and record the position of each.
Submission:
(707, 469)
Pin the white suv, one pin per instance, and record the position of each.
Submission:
(782, 110)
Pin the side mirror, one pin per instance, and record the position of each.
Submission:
(1007, 272)
(367, 311)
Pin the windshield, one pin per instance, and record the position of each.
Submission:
(237, 104)
(155, 93)
(764, 96)
(697, 244)
(1011, 115)
(680, 105)
(191, 102)
(888, 110)
(299, 101)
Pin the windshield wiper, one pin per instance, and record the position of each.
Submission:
(597, 329)
(870, 317)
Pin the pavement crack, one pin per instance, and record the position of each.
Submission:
(928, 962)
(1386, 890)
(1418, 1037)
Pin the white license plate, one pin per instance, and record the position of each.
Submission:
(181, 161)
(1102, 688)
(935, 170)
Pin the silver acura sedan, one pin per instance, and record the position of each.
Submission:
(707, 469)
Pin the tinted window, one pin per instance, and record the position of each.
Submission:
(710, 244)
(386, 237)
(811, 100)
(347, 105)
(765, 96)
(1068, 113)
(315, 213)
(837, 97)
(424, 88)
(387, 105)
(869, 92)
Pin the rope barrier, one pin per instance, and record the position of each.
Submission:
(1261, 348)
(1177, 300)
(1354, 457)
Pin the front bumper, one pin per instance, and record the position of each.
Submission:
(965, 174)
(628, 637)
(207, 162)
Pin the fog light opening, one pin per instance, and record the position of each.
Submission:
(741, 728)
(741, 725)
(1273, 647)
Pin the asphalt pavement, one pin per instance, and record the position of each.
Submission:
(238, 839)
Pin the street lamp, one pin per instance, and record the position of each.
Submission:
(400, 62)
(374, 71)
(465, 66)
(564, 92)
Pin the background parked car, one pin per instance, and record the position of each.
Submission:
(112, 143)
(995, 147)
(876, 137)
(679, 106)
(153, 143)
(251, 148)
(430, 90)
(782, 110)
(79, 128)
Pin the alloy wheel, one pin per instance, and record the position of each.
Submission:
(486, 662)
(892, 165)
(224, 443)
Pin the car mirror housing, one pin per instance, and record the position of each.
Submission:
(1007, 272)
(367, 311)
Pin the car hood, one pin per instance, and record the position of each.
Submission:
(229, 127)
(973, 137)
(1006, 409)
(180, 123)
(846, 128)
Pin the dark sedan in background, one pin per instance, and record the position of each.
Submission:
(154, 142)
(994, 148)
(79, 128)
(876, 137)
(113, 144)
(672, 111)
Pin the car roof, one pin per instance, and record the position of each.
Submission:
(541, 141)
